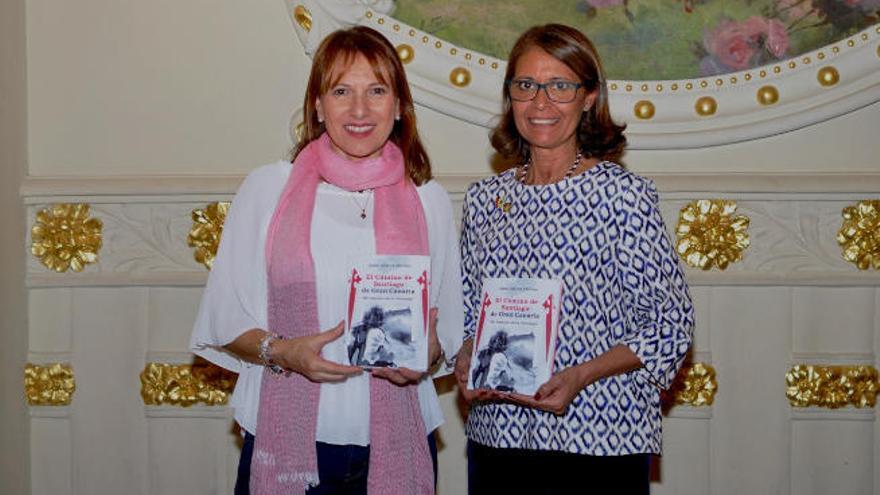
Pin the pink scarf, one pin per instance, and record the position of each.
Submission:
(284, 459)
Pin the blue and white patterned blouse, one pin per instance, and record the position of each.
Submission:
(601, 233)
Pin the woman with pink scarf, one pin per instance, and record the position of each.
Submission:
(359, 184)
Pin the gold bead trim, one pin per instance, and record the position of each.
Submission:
(406, 53)
(49, 385)
(438, 44)
(768, 95)
(695, 385)
(706, 106)
(645, 87)
(303, 17)
(831, 387)
(644, 110)
(828, 76)
(460, 77)
(859, 236)
(205, 233)
(710, 235)
(186, 384)
(63, 237)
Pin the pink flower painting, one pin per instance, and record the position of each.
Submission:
(739, 45)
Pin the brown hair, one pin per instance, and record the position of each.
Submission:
(339, 49)
(597, 134)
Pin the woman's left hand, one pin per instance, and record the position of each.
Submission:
(555, 395)
(406, 376)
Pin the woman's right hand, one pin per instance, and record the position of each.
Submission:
(303, 355)
(462, 368)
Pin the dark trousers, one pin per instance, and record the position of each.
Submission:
(342, 468)
(518, 471)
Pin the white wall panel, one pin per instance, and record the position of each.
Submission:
(685, 466)
(188, 456)
(833, 320)
(171, 313)
(751, 341)
(52, 456)
(49, 312)
(832, 457)
(109, 433)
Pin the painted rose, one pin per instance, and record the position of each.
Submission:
(739, 45)
(732, 43)
(776, 39)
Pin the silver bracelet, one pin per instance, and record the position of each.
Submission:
(266, 360)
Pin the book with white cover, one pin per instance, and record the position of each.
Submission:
(386, 321)
(515, 339)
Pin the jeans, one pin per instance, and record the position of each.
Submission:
(342, 469)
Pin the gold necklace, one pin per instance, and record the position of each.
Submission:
(524, 168)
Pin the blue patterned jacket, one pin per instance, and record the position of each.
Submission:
(601, 233)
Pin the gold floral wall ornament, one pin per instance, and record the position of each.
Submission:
(710, 235)
(832, 387)
(63, 237)
(695, 385)
(859, 236)
(206, 230)
(48, 385)
(303, 17)
(186, 384)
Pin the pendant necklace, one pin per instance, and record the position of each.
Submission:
(363, 206)
(524, 169)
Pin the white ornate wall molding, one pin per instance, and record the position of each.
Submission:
(662, 114)
(793, 223)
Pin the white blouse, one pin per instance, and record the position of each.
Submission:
(235, 298)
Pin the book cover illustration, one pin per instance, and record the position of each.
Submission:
(386, 322)
(515, 341)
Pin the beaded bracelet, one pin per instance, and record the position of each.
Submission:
(265, 342)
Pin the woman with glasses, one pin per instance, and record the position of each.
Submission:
(569, 211)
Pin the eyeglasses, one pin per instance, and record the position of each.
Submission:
(558, 91)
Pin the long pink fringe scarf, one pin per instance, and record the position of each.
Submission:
(284, 459)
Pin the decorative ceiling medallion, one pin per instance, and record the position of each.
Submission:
(49, 384)
(64, 237)
(674, 123)
(186, 384)
(695, 385)
(710, 235)
(206, 230)
(831, 387)
(859, 236)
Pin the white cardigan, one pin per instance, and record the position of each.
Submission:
(235, 298)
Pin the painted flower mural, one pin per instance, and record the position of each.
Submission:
(654, 39)
(734, 46)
